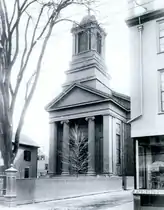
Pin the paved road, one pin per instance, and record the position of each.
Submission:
(121, 200)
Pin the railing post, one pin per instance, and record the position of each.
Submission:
(10, 196)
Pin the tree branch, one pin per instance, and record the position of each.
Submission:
(27, 102)
(12, 17)
(20, 74)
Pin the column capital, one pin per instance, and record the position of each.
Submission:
(64, 121)
(140, 27)
(90, 118)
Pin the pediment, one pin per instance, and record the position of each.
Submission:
(77, 95)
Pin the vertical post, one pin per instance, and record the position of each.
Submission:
(137, 165)
(124, 153)
(107, 144)
(10, 196)
(91, 145)
(52, 149)
(65, 148)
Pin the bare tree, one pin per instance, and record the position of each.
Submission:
(48, 14)
(78, 155)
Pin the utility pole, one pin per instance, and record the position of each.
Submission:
(124, 154)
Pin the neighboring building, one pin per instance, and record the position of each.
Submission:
(26, 159)
(88, 102)
(146, 27)
(42, 164)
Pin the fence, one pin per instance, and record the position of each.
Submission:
(37, 190)
(2, 180)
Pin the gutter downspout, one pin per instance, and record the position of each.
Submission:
(140, 29)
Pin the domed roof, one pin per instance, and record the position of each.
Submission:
(88, 19)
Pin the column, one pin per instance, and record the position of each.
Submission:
(107, 144)
(52, 148)
(91, 145)
(114, 146)
(65, 148)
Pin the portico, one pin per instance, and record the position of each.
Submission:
(92, 127)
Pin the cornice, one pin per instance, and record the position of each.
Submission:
(103, 112)
(145, 17)
(92, 58)
(78, 105)
(105, 73)
(89, 103)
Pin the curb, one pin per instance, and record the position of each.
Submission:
(74, 197)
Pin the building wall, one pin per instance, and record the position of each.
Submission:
(151, 122)
(20, 164)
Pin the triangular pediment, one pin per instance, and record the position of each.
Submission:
(76, 95)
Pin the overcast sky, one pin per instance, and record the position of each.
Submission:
(111, 15)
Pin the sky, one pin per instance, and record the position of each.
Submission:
(111, 16)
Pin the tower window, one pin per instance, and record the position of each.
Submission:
(99, 43)
(83, 41)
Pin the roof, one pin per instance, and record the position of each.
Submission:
(88, 19)
(67, 90)
(119, 99)
(25, 140)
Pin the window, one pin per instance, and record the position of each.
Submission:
(161, 36)
(84, 41)
(162, 89)
(27, 155)
(46, 166)
(118, 128)
(99, 43)
(26, 173)
(118, 149)
(151, 162)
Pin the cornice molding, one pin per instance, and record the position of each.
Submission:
(89, 103)
(85, 114)
(145, 17)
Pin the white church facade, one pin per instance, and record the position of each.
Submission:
(88, 101)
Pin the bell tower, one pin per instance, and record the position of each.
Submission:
(88, 55)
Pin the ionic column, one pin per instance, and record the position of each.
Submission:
(107, 145)
(91, 145)
(65, 148)
(52, 148)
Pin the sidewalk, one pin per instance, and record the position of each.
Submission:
(120, 200)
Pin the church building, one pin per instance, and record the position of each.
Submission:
(88, 101)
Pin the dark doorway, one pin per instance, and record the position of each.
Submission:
(26, 173)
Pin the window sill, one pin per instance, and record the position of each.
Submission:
(159, 113)
(162, 52)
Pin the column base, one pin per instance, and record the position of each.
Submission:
(51, 174)
(91, 173)
(10, 200)
(65, 173)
